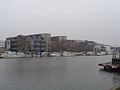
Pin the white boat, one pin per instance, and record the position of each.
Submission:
(57, 54)
(9, 54)
(65, 53)
(54, 54)
(90, 53)
(101, 53)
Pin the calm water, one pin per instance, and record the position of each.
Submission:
(56, 73)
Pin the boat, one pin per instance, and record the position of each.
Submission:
(58, 54)
(54, 54)
(65, 53)
(9, 54)
(114, 65)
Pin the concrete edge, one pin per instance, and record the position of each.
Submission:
(115, 88)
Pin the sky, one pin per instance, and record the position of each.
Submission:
(96, 20)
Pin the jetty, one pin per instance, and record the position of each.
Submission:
(114, 65)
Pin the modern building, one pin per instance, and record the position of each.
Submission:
(2, 46)
(71, 45)
(35, 42)
(78, 45)
(57, 43)
(47, 39)
(45, 43)
(61, 43)
(11, 43)
(86, 46)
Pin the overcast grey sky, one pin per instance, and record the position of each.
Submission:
(97, 20)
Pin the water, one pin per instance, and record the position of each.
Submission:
(56, 73)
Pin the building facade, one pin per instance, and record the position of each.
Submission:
(45, 43)
(61, 43)
(30, 43)
(11, 43)
(57, 43)
(2, 46)
(86, 46)
(70, 46)
(78, 45)
(35, 43)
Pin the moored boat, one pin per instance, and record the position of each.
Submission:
(9, 54)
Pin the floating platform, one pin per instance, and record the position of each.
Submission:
(110, 66)
(114, 65)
